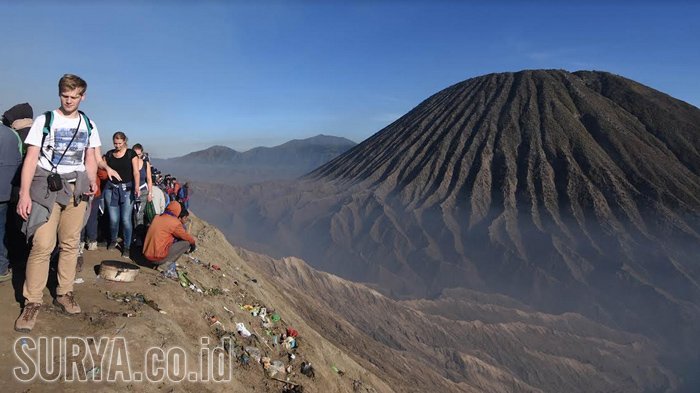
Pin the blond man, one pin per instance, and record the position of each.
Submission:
(57, 179)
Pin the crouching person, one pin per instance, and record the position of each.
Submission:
(167, 239)
(56, 180)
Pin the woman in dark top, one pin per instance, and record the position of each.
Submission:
(120, 194)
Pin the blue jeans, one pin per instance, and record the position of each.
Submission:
(119, 203)
(4, 262)
(89, 233)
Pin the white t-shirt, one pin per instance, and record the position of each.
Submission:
(56, 142)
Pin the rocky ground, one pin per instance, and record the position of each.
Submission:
(187, 316)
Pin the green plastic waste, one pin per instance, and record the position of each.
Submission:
(150, 212)
(275, 317)
(184, 280)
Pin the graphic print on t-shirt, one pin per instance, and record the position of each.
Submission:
(74, 155)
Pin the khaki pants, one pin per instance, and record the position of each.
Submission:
(66, 222)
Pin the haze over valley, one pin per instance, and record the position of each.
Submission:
(565, 192)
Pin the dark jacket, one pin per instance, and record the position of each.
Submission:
(10, 160)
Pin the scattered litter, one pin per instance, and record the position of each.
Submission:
(78, 280)
(217, 328)
(292, 332)
(274, 368)
(195, 260)
(214, 291)
(290, 343)
(356, 385)
(254, 353)
(290, 387)
(231, 312)
(240, 328)
(92, 373)
(120, 329)
(308, 370)
(184, 280)
(337, 370)
(275, 318)
(133, 298)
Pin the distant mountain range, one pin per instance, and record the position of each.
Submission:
(568, 191)
(221, 164)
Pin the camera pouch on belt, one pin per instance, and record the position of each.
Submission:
(55, 182)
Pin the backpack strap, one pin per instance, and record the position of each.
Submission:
(48, 120)
(87, 122)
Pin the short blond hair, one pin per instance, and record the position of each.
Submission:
(71, 82)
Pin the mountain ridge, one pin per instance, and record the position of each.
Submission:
(568, 191)
(225, 154)
(223, 165)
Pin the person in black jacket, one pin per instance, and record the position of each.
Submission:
(10, 161)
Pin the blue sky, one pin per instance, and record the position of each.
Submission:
(182, 76)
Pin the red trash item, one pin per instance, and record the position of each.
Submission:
(292, 332)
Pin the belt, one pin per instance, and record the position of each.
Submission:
(123, 186)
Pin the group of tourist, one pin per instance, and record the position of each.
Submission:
(55, 188)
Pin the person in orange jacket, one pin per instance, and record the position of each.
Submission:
(167, 239)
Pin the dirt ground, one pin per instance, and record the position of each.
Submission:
(167, 322)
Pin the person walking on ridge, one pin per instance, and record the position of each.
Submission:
(57, 178)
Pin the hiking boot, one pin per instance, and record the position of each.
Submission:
(67, 303)
(6, 277)
(125, 252)
(26, 320)
(113, 245)
(92, 246)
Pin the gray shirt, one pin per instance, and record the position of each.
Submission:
(10, 160)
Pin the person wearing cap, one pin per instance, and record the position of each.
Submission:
(19, 118)
(167, 239)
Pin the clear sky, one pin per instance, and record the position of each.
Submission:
(182, 76)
